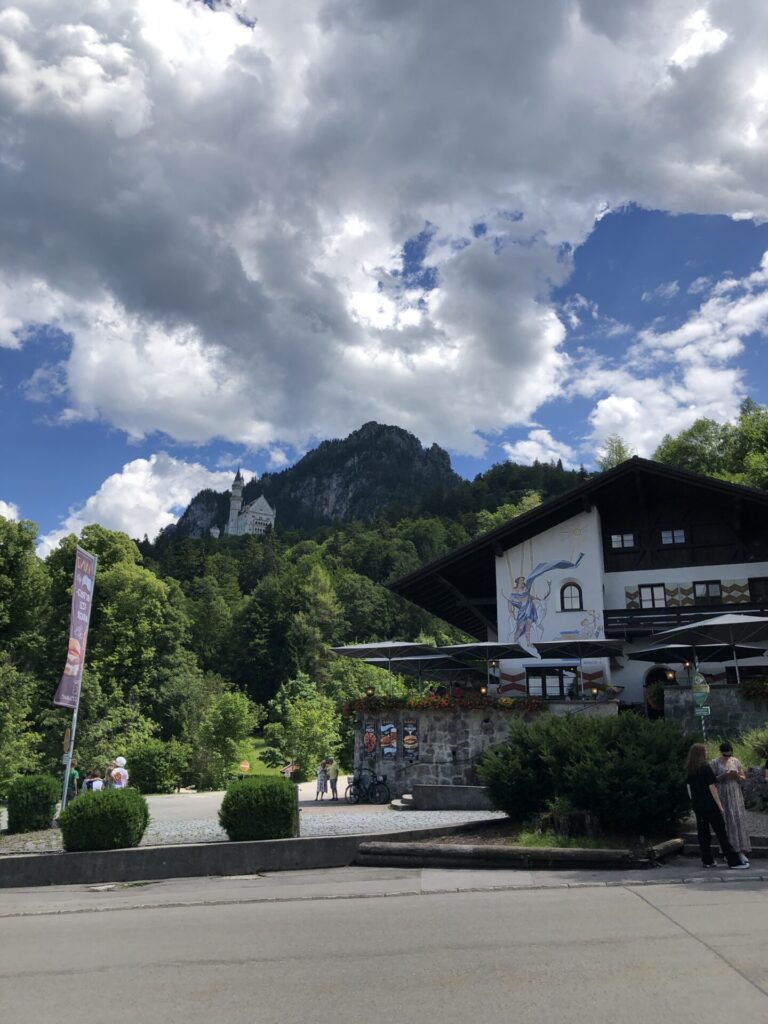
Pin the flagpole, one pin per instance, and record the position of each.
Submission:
(68, 757)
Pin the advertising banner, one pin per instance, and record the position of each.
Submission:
(388, 739)
(68, 693)
(369, 738)
(411, 739)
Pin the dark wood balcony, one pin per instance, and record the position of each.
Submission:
(632, 623)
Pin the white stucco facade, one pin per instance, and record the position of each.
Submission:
(254, 518)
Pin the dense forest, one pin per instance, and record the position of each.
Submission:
(199, 642)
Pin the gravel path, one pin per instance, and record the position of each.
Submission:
(336, 822)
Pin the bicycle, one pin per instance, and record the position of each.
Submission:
(366, 785)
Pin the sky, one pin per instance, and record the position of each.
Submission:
(231, 229)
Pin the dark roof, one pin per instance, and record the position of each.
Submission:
(460, 587)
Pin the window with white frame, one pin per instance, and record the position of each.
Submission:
(622, 540)
(671, 537)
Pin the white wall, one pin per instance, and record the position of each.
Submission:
(578, 536)
(617, 582)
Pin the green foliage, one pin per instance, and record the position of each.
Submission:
(259, 808)
(223, 739)
(24, 588)
(32, 802)
(110, 819)
(614, 451)
(306, 729)
(751, 748)
(624, 771)
(19, 742)
(158, 766)
(699, 449)
(489, 520)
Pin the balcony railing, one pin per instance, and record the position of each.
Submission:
(637, 622)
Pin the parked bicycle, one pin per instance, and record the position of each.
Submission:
(367, 785)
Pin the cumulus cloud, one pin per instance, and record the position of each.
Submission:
(540, 446)
(671, 378)
(8, 510)
(145, 496)
(226, 191)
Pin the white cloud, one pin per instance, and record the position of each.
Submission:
(145, 496)
(224, 204)
(8, 510)
(540, 446)
(664, 291)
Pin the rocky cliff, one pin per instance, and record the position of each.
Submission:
(375, 468)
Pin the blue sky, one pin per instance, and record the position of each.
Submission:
(229, 230)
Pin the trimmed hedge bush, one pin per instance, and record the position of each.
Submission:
(157, 766)
(110, 819)
(32, 802)
(625, 771)
(259, 808)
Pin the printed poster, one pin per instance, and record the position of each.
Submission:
(369, 738)
(388, 739)
(411, 739)
(68, 692)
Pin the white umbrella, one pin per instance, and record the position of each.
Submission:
(387, 649)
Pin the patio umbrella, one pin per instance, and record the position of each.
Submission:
(387, 649)
(730, 630)
(436, 667)
(576, 647)
(485, 650)
(678, 654)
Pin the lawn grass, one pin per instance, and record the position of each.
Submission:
(552, 840)
(254, 756)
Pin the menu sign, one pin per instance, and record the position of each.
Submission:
(388, 739)
(410, 739)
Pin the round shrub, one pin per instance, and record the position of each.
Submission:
(625, 771)
(259, 808)
(157, 766)
(32, 802)
(110, 819)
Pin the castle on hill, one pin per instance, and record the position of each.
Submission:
(254, 517)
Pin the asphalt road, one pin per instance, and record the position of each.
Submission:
(359, 944)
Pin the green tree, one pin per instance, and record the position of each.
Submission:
(489, 520)
(613, 452)
(19, 743)
(222, 740)
(702, 448)
(307, 732)
(24, 589)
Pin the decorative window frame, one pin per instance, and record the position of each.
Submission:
(577, 586)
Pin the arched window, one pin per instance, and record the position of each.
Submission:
(570, 598)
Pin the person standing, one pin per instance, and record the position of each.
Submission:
(119, 774)
(333, 777)
(704, 796)
(74, 781)
(109, 782)
(322, 781)
(729, 776)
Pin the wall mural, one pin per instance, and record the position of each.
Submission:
(527, 608)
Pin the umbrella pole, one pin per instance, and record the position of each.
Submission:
(736, 666)
(581, 677)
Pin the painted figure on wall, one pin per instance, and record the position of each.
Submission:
(527, 610)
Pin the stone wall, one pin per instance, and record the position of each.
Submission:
(731, 713)
(450, 743)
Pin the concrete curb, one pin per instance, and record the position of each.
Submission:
(378, 853)
(145, 863)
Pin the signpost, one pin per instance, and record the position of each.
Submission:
(245, 767)
(702, 712)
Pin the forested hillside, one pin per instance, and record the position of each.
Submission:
(198, 641)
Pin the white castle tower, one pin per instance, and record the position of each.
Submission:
(235, 503)
(256, 517)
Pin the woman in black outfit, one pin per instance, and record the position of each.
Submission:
(702, 790)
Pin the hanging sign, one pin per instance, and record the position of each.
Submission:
(411, 739)
(68, 693)
(702, 712)
(700, 689)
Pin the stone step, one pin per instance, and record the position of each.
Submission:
(405, 803)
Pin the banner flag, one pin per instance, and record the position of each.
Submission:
(68, 693)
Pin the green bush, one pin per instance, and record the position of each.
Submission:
(158, 766)
(259, 808)
(624, 771)
(32, 802)
(110, 819)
